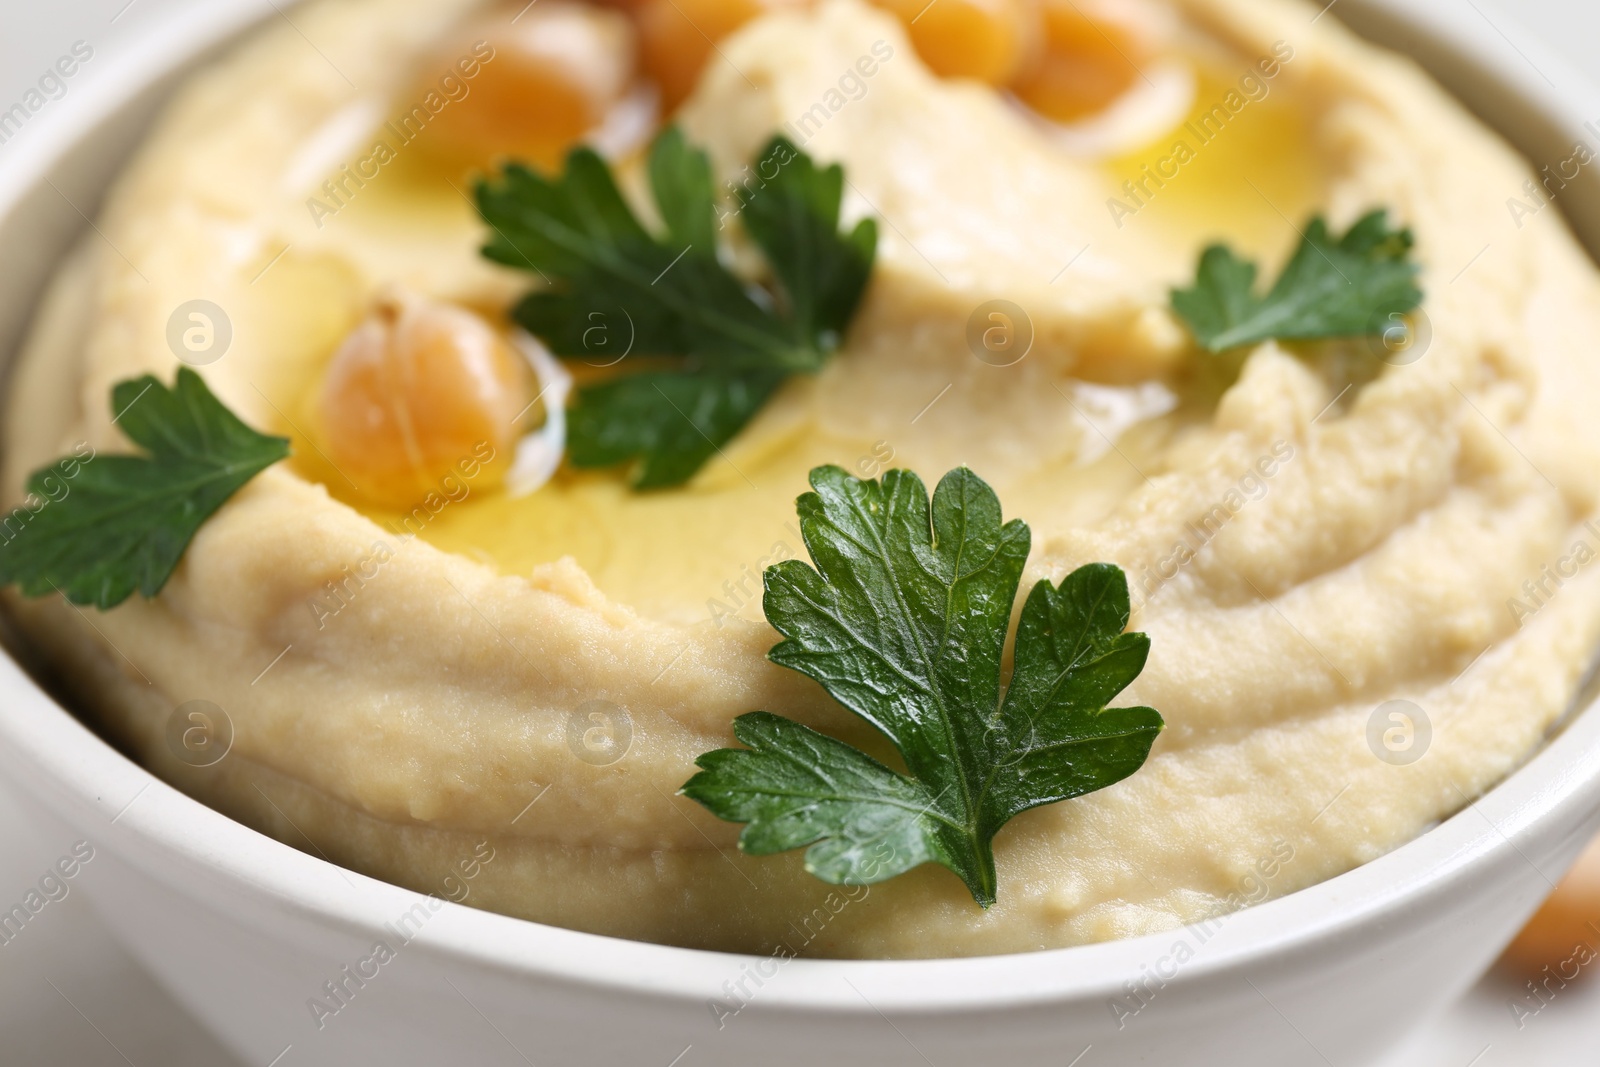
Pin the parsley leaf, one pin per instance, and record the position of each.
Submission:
(616, 289)
(124, 521)
(1344, 287)
(668, 420)
(904, 621)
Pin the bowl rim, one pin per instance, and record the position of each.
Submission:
(165, 833)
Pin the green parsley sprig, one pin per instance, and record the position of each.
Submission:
(124, 521)
(617, 288)
(903, 620)
(1347, 286)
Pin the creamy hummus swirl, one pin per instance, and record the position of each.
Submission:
(1321, 535)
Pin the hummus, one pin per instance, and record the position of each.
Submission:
(1310, 537)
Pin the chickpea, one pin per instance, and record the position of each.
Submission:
(1093, 52)
(542, 82)
(677, 37)
(417, 388)
(1553, 935)
(990, 40)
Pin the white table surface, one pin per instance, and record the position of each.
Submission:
(69, 995)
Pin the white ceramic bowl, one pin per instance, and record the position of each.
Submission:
(246, 931)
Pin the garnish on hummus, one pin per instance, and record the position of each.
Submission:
(1347, 286)
(415, 387)
(618, 290)
(125, 521)
(904, 622)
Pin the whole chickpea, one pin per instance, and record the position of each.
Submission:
(677, 37)
(542, 80)
(416, 389)
(1093, 52)
(990, 40)
(1563, 922)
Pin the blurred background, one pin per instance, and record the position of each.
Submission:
(70, 997)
